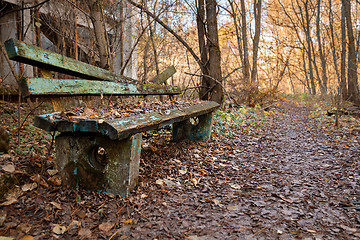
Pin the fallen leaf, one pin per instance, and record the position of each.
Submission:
(9, 168)
(349, 229)
(285, 199)
(106, 226)
(233, 207)
(52, 172)
(160, 182)
(5, 156)
(84, 232)
(59, 229)
(27, 237)
(55, 180)
(143, 196)
(183, 171)
(3, 215)
(74, 224)
(57, 205)
(37, 178)
(9, 202)
(169, 183)
(24, 227)
(110, 195)
(80, 213)
(235, 186)
(6, 238)
(195, 181)
(29, 187)
(127, 221)
(193, 237)
(311, 231)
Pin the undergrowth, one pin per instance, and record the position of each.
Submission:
(227, 122)
(320, 106)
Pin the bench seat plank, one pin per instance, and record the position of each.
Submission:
(122, 128)
(69, 87)
(46, 59)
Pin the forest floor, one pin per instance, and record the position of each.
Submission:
(292, 176)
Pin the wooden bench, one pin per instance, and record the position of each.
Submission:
(102, 154)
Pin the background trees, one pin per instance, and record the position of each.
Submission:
(246, 49)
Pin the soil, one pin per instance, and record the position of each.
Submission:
(294, 177)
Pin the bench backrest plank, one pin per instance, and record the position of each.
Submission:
(162, 77)
(72, 87)
(43, 58)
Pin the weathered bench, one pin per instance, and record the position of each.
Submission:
(102, 154)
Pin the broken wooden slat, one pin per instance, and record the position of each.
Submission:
(122, 128)
(70, 87)
(36, 56)
(162, 77)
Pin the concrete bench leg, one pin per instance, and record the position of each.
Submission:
(97, 163)
(197, 130)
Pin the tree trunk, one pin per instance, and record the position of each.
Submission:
(332, 44)
(99, 30)
(246, 69)
(353, 87)
(323, 83)
(214, 52)
(343, 85)
(205, 81)
(238, 37)
(257, 13)
(309, 52)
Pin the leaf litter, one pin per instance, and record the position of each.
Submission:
(293, 177)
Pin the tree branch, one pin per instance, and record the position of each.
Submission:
(25, 8)
(180, 39)
(218, 82)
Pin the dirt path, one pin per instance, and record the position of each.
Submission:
(292, 178)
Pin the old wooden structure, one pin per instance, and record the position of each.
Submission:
(103, 155)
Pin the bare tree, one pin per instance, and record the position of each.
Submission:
(96, 14)
(353, 87)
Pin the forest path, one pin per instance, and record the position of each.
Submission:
(292, 178)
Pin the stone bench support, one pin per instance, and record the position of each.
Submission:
(97, 163)
(195, 129)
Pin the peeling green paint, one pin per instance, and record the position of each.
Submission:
(43, 58)
(69, 87)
